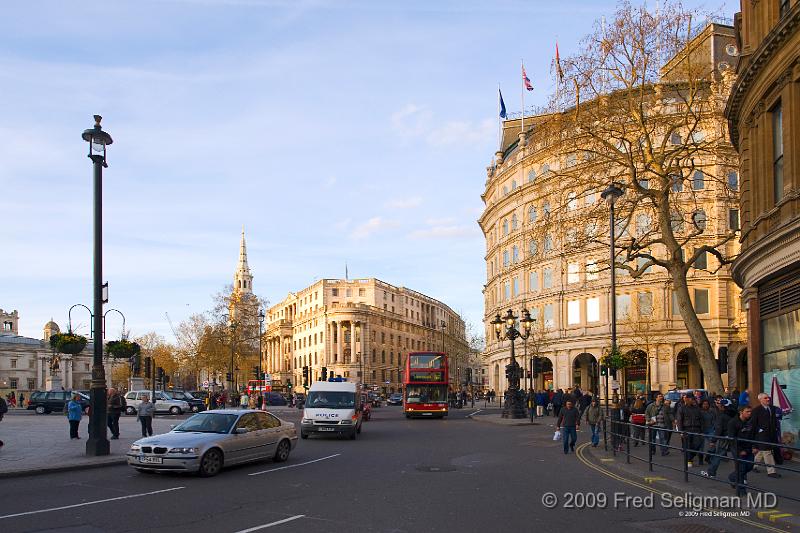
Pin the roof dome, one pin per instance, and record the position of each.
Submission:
(52, 327)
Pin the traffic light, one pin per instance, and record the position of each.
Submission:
(255, 372)
(614, 373)
(159, 373)
(603, 370)
(324, 375)
(305, 376)
(537, 366)
(228, 376)
(722, 361)
(166, 378)
(289, 384)
(469, 375)
(148, 367)
(137, 364)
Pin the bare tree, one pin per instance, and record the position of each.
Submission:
(643, 109)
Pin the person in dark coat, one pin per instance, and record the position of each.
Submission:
(766, 428)
(742, 428)
(558, 399)
(720, 446)
(620, 416)
(689, 420)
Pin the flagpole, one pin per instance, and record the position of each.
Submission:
(499, 121)
(522, 95)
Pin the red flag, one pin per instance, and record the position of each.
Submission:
(525, 80)
(559, 72)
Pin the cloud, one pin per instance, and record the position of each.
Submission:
(446, 221)
(330, 182)
(415, 122)
(371, 226)
(444, 232)
(405, 203)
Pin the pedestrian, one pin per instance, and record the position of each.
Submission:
(741, 428)
(22, 399)
(584, 402)
(689, 423)
(659, 418)
(74, 414)
(251, 401)
(12, 398)
(744, 398)
(569, 421)
(594, 414)
(638, 418)
(145, 416)
(114, 412)
(720, 446)
(260, 400)
(765, 427)
(3, 411)
(709, 417)
(620, 415)
(557, 402)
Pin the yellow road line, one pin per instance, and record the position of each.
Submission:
(581, 458)
(762, 514)
(774, 517)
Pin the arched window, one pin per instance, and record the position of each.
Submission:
(572, 201)
(548, 243)
(533, 247)
(698, 180)
(505, 258)
(513, 222)
(505, 190)
(642, 224)
(513, 185)
(515, 254)
(531, 176)
(545, 168)
(676, 221)
(733, 180)
(699, 219)
(505, 228)
(532, 214)
(546, 208)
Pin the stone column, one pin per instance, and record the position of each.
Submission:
(339, 342)
(39, 365)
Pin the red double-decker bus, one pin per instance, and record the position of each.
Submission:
(425, 384)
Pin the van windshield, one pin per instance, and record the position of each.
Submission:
(331, 400)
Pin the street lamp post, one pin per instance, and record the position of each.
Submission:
(98, 443)
(514, 405)
(611, 195)
(232, 325)
(261, 376)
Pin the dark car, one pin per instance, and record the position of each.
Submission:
(274, 398)
(395, 399)
(195, 404)
(47, 402)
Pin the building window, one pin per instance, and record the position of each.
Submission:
(733, 180)
(505, 190)
(699, 219)
(675, 138)
(676, 222)
(573, 312)
(777, 151)
(531, 176)
(677, 183)
(698, 181)
(623, 305)
(515, 282)
(698, 136)
(733, 219)
(642, 224)
(592, 271)
(702, 261)
(514, 254)
(548, 316)
(548, 278)
(334, 292)
(590, 199)
(701, 301)
(593, 309)
(572, 160)
(513, 222)
(546, 208)
(572, 201)
(645, 303)
(505, 228)
(505, 258)
(640, 262)
(12, 383)
(545, 168)
(533, 248)
(31, 384)
(532, 214)
(534, 281)
(13, 363)
(507, 291)
(548, 243)
(573, 275)
(644, 184)
(676, 308)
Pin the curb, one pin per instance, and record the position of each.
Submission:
(64, 468)
(490, 419)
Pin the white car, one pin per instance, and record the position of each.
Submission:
(208, 440)
(163, 403)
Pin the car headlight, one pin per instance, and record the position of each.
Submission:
(345, 422)
(307, 421)
(184, 450)
(136, 448)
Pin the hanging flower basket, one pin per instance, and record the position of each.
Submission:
(122, 349)
(614, 359)
(69, 343)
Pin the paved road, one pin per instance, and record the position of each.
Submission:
(400, 475)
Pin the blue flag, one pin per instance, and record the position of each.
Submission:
(502, 105)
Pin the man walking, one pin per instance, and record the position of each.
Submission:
(742, 428)
(569, 421)
(765, 428)
(720, 446)
(658, 417)
(594, 414)
(689, 421)
(114, 412)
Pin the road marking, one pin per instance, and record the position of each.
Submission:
(763, 514)
(651, 479)
(129, 496)
(607, 460)
(293, 466)
(774, 517)
(265, 526)
(475, 413)
(579, 454)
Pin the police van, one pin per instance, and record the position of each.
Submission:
(332, 407)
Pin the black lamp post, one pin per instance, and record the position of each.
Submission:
(514, 404)
(261, 318)
(98, 443)
(232, 326)
(611, 195)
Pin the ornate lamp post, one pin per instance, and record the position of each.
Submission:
(514, 405)
(98, 443)
(232, 326)
(261, 318)
(611, 195)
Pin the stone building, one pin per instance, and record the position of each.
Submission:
(25, 362)
(564, 287)
(359, 327)
(764, 118)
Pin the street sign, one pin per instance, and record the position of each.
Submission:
(614, 384)
(206, 384)
(387, 382)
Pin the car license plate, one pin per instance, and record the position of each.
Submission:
(325, 429)
(427, 414)
(151, 460)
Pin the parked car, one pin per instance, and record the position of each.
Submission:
(395, 398)
(207, 441)
(47, 402)
(195, 404)
(163, 403)
(274, 398)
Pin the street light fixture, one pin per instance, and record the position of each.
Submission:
(613, 193)
(232, 326)
(98, 443)
(514, 405)
(261, 376)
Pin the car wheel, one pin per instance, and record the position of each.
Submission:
(130, 410)
(211, 463)
(174, 410)
(303, 435)
(282, 453)
(195, 409)
(40, 410)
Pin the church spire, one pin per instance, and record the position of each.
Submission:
(243, 279)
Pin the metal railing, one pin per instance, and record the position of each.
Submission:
(725, 449)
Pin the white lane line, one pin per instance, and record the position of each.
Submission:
(475, 413)
(129, 496)
(265, 526)
(293, 466)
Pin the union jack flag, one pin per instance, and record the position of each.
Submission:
(526, 80)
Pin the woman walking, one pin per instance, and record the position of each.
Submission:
(74, 414)
(145, 416)
(637, 417)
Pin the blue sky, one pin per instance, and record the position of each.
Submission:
(335, 132)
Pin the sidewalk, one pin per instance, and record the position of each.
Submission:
(41, 443)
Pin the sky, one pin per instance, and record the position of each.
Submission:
(334, 132)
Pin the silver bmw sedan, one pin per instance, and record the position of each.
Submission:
(208, 440)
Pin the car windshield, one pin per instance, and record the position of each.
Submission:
(331, 400)
(208, 423)
(426, 393)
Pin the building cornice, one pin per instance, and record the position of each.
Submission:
(768, 255)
